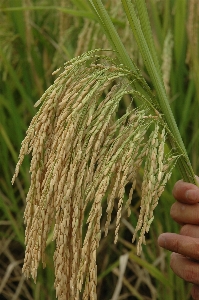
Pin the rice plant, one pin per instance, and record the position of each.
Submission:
(85, 152)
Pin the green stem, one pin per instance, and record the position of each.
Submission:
(116, 43)
(111, 33)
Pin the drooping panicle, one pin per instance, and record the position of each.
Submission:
(83, 151)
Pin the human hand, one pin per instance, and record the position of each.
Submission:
(185, 246)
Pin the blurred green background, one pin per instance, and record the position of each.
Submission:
(37, 37)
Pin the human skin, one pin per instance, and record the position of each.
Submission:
(185, 245)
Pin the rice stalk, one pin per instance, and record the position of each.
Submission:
(92, 36)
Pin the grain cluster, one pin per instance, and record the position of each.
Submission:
(85, 153)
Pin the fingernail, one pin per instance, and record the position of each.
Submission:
(191, 195)
(162, 241)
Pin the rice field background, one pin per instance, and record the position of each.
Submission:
(36, 38)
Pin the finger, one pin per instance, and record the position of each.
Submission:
(190, 230)
(195, 292)
(185, 245)
(185, 268)
(185, 213)
(186, 192)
